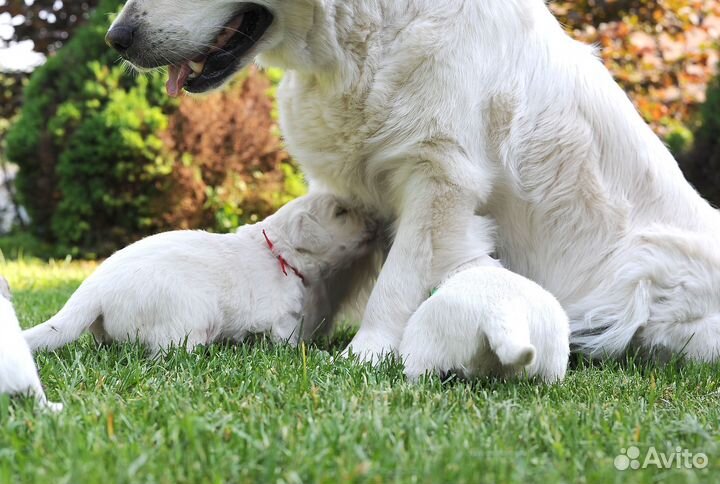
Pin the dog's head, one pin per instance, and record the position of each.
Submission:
(205, 42)
(325, 233)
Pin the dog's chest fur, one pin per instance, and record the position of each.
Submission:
(329, 135)
(358, 132)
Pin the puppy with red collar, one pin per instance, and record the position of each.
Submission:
(18, 374)
(194, 288)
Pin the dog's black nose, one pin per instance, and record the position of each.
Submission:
(120, 38)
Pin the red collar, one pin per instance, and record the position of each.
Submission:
(284, 264)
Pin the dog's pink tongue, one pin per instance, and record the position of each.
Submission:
(177, 75)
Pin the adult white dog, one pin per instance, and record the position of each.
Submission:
(18, 374)
(432, 111)
(192, 287)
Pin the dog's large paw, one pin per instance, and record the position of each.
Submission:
(369, 348)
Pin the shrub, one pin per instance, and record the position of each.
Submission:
(85, 142)
(229, 171)
(106, 157)
(702, 164)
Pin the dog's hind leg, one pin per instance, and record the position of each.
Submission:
(697, 340)
(683, 316)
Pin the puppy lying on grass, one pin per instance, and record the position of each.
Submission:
(196, 288)
(18, 374)
(495, 323)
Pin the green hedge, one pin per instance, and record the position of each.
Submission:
(96, 167)
(86, 142)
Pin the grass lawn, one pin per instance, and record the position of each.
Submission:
(258, 413)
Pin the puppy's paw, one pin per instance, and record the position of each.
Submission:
(420, 354)
(43, 402)
(53, 407)
(414, 368)
(414, 371)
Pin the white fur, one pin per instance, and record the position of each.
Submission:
(432, 111)
(488, 321)
(18, 374)
(199, 288)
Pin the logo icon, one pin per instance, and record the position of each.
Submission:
(630, 459)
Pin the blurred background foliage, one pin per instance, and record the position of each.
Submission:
(663, 53)
(105, 157)
(49, 23)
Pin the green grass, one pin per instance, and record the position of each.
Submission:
(259, 413)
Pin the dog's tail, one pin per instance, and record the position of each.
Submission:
(81, 311)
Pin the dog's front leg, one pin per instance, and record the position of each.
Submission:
(435, 231)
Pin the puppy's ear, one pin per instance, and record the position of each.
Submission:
(307, 235)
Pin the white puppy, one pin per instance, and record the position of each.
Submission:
(191, 287)
(485, 321)
(18, 374)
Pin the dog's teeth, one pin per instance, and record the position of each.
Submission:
(196, 67)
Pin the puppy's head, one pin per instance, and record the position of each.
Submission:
(205, 42)
(5, 289)
(325, 233)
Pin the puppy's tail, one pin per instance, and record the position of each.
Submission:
(81, 311)
(515, 354)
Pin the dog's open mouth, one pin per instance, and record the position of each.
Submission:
(224, 57)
